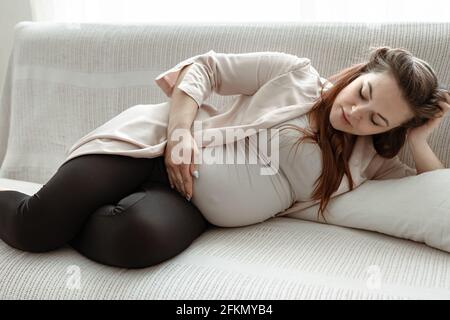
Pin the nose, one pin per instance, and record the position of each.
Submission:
(354, 113)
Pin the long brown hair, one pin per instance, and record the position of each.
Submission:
(419, 87)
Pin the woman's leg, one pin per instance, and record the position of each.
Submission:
(55, 214)
(149, 226)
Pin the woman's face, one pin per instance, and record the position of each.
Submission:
(372, 104)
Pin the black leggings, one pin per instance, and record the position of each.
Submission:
(113, 209)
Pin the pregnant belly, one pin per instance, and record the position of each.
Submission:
(232, 195)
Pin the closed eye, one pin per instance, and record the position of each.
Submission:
(371, 119)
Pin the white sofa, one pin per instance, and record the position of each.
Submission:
(66, 79)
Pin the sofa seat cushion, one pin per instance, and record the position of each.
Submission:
(281, 258)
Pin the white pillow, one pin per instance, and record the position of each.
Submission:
(414, 207)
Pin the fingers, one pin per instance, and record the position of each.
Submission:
(445, 108)
(179, 181)
(188, 171)
(187, 179)
(193, 168)
(180, 175)
(175, 178)
(447, 98)
(172, 184)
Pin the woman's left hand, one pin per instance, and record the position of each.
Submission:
(422, 132)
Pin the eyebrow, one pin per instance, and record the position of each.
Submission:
(370, 96)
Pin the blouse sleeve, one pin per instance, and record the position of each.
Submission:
(393, 169)
(228, 73)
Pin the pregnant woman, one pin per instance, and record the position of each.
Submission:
(123, 198)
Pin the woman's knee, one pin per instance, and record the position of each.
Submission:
(144, 229)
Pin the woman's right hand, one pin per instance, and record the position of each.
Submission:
(179, 161)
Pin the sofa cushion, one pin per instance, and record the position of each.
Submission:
(282, 258)
(29, 188)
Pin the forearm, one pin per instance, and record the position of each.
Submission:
(424, 157)
(183, 108)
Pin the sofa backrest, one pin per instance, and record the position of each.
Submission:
(65, 79)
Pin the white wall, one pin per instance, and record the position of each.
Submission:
(11, 12)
